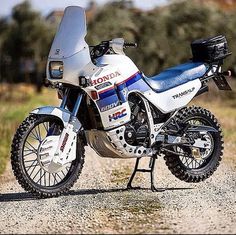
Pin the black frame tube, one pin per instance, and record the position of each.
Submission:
(65, 97)
(77, 105)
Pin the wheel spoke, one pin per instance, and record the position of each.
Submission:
(49, 179)
(31, 165)
(36, 171)
(33, 170)
(34, 135)
(45, 126)
(58, 176)
(191, 162)
(26, 148)
(30, 152)
(55, 179)
(37, 134)
(63, 173)
(186, 159)
(41, 176)
(198, 163)
(31, 146)
(45, 179)
(36, 174)
(40, 137)
(33, 162)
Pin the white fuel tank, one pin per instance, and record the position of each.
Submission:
(123, 62)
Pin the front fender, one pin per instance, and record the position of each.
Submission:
(63, 114)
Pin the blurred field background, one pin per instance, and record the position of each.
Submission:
(163, 35)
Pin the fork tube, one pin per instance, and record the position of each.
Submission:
(64, 100)
(77, 105)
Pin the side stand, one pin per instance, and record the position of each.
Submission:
(151, 170)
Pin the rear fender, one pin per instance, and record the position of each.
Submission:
(201, 129)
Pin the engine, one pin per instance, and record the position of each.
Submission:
(132, 139)
(137, 131)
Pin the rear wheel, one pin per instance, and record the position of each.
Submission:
(188, 167)
(28, 166)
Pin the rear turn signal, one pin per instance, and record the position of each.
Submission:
(227, 73)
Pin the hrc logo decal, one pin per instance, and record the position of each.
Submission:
(117, 115)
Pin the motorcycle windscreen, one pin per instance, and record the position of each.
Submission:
(69, 38)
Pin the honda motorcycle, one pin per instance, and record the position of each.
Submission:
(109, 105)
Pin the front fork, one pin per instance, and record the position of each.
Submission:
(77, 103)
(66, 148)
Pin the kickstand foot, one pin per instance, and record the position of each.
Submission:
(152, 166)
(129, 187)
(154, 189)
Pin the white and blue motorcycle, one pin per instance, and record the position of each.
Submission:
(109, 105)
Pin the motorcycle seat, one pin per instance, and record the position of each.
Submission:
(175, 76)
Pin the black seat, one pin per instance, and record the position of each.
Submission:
(175, 76)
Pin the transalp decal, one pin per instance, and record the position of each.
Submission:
(105, 78)
(117, 115)
(181, 94)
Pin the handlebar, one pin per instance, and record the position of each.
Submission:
(130, 44)
(104, 47)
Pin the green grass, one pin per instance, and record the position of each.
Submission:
(16, 103)
(136, 212)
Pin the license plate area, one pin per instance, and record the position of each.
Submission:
(222, 83)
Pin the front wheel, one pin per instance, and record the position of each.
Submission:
(29, 169)
(184, 165)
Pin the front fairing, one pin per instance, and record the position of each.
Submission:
(69, 46)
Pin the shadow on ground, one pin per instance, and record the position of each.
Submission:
(10, 197)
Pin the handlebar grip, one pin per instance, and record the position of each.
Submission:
(130, 44)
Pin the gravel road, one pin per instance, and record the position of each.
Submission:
(99, 203)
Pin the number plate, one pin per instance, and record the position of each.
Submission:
(222, 83)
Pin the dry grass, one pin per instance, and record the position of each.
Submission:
(223, 105)
(16, 102)
(16, 93)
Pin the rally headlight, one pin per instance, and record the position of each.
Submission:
(56, 69)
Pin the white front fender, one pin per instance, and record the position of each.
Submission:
(62, 114)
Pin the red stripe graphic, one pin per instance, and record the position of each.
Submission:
(126, 80)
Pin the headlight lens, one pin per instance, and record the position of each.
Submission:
(56, 69)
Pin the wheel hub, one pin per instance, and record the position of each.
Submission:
(196, 153)
(203, 147)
